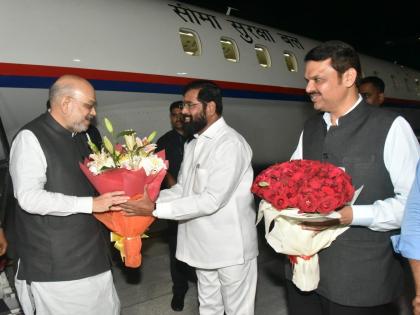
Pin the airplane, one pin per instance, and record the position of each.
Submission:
(138, 54)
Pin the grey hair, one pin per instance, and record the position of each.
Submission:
(59, 90)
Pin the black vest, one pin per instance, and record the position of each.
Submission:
(60, 248)
(360, 267)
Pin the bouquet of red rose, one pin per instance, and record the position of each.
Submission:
(127, 167)
(310, 186)
(302, 191)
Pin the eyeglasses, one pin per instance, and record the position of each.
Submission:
(189, 105)
(89, 106)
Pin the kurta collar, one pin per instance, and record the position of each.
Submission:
(213, 130)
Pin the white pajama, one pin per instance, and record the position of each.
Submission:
(230, 289)
(94, 295)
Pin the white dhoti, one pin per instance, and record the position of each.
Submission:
(94, 295)
(231, 289)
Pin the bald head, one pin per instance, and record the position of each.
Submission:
(68, 85)
(73, 102)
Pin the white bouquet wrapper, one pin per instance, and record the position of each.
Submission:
(288, 237)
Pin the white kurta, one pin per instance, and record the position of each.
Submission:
(213, 201)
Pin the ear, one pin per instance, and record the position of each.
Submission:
(65, 104)
(211, 108)
(349, 77)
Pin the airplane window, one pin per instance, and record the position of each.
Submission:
(230, 51)
(190, 42)
(290, 60)
(263, 56)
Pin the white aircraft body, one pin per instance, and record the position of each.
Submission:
(139, 54)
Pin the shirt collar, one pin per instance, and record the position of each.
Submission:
(212, 130)
(327, 116)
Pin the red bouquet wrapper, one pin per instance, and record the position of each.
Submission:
(129, 229)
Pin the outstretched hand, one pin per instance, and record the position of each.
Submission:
(109, 201)
(143, 206)
(346, 217)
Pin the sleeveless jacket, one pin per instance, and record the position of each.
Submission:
(60, 248)
(360, 267)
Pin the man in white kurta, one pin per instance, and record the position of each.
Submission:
(214, 206)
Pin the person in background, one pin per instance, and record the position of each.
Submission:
(173, 143)
(372, 90)
(359, 273)
(213, 203)
(408, 243)
(64, 265)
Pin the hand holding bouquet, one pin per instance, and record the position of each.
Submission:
(127, 167)
(300, 191)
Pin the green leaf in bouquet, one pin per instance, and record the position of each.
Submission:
(126, 133)
(263, 184)
(108, 145)
(151, 136)
(106, 168)
(108, 125)
(91, 145)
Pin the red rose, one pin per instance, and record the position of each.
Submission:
(280, 201)
(308, 203)
(312, 186)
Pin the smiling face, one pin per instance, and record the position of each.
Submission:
(194, 111)
(82, 109)
(328, 90)
(73, 103)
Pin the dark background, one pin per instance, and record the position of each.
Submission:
(388, 30)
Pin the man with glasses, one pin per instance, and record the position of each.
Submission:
(213, 203)
(173, 143)
(64, 265)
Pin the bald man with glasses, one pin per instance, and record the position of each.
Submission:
(64, 265)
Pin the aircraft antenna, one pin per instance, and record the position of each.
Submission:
(229, 10)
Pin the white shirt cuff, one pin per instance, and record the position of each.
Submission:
(84, 204)
(362, 215)
(163, 211)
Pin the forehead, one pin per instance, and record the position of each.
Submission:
(176, 110)
(367, 87)
(318, 68)
(86, 90)
(191, 95)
